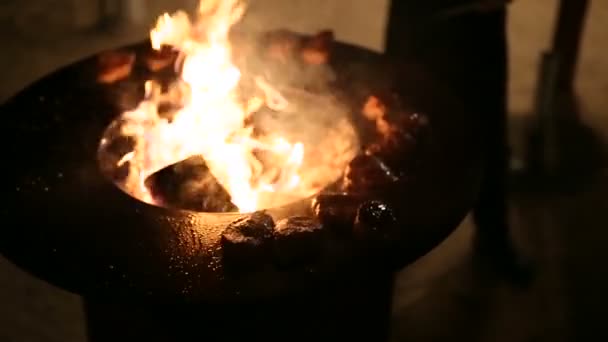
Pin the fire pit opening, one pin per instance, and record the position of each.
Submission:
(152, 160)
(222, 138)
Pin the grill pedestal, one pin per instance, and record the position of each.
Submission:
(356, 310)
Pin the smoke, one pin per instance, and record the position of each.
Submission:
(296, 134)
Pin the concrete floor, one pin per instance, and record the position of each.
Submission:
(441, 297)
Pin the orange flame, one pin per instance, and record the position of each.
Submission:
(211, 122)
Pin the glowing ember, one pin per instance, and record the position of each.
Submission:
(211, 119)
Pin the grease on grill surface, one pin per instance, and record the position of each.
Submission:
(246, 241)
(298, 241)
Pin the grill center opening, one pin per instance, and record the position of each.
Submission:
(218, 139)
(150, 160)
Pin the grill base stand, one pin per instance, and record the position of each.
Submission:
(357, 310)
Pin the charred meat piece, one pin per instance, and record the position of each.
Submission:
(190, 185)
(114, 66)
(297, 241)
(337, 211)
(317, 49)
(368, 174)
(157, 60)
(245, 242)
(376, 223)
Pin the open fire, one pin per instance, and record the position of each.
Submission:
(286, 155)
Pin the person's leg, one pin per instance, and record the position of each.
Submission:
(466, 48)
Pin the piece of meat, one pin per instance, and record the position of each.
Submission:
(368, 174)
(297, 241)
(399, 139)
(376, 224)
(317, 49)
(114, 66)
(337, 211)
(245, 242)
(157, 60)
(190, 185)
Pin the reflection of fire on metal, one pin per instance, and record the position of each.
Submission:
(260, 156)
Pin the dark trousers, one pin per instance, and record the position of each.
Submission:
(466, 49)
